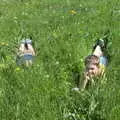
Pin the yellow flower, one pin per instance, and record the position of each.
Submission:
(17, 69)
(73, 12)
(2, 43)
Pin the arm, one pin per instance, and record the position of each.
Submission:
(32, 49)
(86, 78)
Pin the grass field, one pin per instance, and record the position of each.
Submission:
(63, 32)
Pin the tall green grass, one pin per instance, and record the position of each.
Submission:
(63, 34)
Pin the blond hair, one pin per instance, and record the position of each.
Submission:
(92, 59)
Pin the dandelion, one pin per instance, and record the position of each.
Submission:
(3, 43)
(17, 69)
(73, 12)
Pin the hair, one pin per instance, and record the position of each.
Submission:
(26, 46)
(91, 59)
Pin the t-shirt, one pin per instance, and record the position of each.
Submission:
(103, 63)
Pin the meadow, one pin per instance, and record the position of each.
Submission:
(63, 32)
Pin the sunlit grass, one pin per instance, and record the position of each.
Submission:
(63, 34)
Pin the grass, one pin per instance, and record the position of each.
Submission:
(63, 34)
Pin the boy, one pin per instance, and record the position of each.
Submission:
(95, 64)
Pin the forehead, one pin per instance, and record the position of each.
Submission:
(92, 59)
(92, 66)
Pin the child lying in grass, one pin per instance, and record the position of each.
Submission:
(26, 52)
(95, 63)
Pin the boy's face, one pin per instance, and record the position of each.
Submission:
(92, 70)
